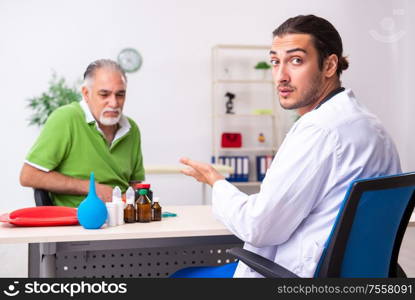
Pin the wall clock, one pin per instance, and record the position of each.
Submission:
(130, 60)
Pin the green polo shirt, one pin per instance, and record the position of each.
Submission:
(72, 144)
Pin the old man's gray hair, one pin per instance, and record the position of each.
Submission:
(98, 64)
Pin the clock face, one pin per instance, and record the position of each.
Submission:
(130, 60)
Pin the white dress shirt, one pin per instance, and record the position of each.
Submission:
(291, 217)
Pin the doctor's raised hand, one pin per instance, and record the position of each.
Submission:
(200, 171)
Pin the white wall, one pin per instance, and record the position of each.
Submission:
(170, 96)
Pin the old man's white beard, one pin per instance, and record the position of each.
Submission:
(107, 121)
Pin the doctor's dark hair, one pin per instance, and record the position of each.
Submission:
(326, 39)
(98, 64)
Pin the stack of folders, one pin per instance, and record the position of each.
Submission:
(240, 165)
(263, 162)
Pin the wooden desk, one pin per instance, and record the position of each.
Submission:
(191, 221)
(53, 249)
(193, 230)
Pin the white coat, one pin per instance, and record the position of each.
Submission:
(291, 217)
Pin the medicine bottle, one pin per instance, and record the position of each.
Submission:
(112, 214)
(116, 198)
(143, 207)
(129, 211)
(146, 186)
(156, 210)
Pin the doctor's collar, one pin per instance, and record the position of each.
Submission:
(330, 95)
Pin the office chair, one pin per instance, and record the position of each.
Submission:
(364, 241)
(367, 234)
(42, 198)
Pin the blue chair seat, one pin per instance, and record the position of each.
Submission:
(223, 271)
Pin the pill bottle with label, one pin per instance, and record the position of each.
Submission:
(140, 186)
(129, 211)
(156, 210)
(143, 207)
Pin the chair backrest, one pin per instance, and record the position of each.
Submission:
(42, 198)
(367, 235)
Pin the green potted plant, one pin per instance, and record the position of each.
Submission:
(263, 65)
(58, 94)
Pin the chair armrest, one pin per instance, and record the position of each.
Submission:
(42, 198)
(263, 266)
(400, 273)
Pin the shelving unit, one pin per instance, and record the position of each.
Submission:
(233, 71)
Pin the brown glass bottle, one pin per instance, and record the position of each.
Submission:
(129, 213)
(139, 186)
(129, 210)
(156, 210)
(143, 207)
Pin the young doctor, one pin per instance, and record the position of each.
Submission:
(335, 141)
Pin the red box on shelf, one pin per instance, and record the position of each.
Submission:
(231, 140)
